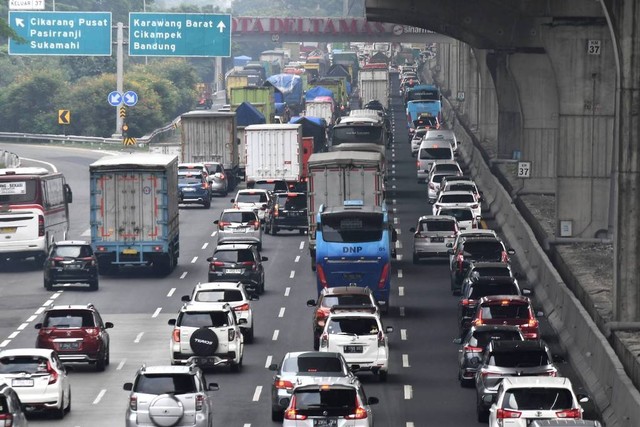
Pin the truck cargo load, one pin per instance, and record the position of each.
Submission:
(373, 83)
(273, 152)
(134, 211)
(314, 127)
(290, 86)
(261, 98)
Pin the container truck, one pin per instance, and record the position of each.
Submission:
(373, 83)
(241, 78)
(210, 136)
(274, 151)
(260, 97)
(170, 148)
(134, 211)
(335, 177)
(321, 108)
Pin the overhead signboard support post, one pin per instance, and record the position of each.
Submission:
(119, 74)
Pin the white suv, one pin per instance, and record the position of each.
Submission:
(233, 293)
(360, 337)
(254, 199)
(209, 332)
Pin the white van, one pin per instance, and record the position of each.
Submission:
(443, 134)
(431, 150)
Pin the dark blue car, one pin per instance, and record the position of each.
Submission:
(193, 187)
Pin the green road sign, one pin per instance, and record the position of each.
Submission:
(179, 34)
(61, 33)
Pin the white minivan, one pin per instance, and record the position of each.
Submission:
(430, 151)
(443, 134)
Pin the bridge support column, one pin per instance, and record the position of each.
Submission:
(624, 16)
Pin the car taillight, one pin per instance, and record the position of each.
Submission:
(7, 420)
(381, 339)
(418, 164)
(383, 276)
(324, 340)
(533, 323)
(570, 413)
(199, 402)
(53, 374)
(321, 316)
(215, 264)
(232, 334)
(243, 307)
(432, 186)
(466, 302)
(255, 224)
(459, 261)
(40, 225)
(276, 210)
(504, 257)
(92, 331)
(250, 264)
(359, 414)
(222, 225)
(505, 413)
(471, 349)
(55, 260)
(486, 373)
(176, 335)
(133, 403)
(205, 185)
(291, 413)
(283, 385)
(222, 176)
(90, 260)
(321, 276)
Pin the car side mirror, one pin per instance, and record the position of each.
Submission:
(457, 341)
(185, 298)
(38, 325)
(172, 322)
(431, 202)
(253, 297)
(311, 303)
(527, 292)
(264, 258)
(488, 399)
(210, 259)
(216, 222)
(232, 200)
(373, 400)
(127, 386)
(213, 387)
(389, 329)
(68, 194)
(449, 245)
(273, 367)
(108, 325)
(412, 229)
(354, 368)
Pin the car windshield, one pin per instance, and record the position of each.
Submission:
(459, 214)
(483, 250)
(535, 398)
(486, 290)
(312, 364)
(69, 319)
(189, 179)
(519, 359)
(296, 202)
(446, 167)
(435, 225)
(27, 364)
(251, 198)
(334, 402)
(4, 407)
(241, 255)
(505, 311)
(462, 187)
(242, 217)
(221, 295)
(437, 153)
(165, 384)
(347, 299)
(437, 178)
(353, 326)
(457, 198)
(80, 251)
(208, 319)
(482, 338)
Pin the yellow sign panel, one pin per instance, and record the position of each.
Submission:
(123, 111)
(129, 141)
(64, 117)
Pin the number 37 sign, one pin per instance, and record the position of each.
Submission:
(524, 169)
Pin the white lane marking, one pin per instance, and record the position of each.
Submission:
(32, 318)
(395, 220)
(395, 210)
(287, 290)
(205, 245)
(51, 165)
(400, 291)
(402, 311)
(281, 313)
(403, 334)
(214, 234)
(100, 396)
(121, 364)
(246, 425)
(268, 362)
(393, 179)
(13, 335)
(56, 295)
(86, 233)
(292, 275)
(409, 424)
(400, 273)
(4, 343)
(171, 291)
(193, 261)
(155, 313)
(405, 361)
(138, 337)
(393, 166)
(393, 171)
(48, 303)
(393, 154)
(393, 201)
(399, 231)
(398, 244)
(408, 392)
(297, 258)
(183, 275)
(67, 285)
(256, 394)
(40, 310)
(393, 187)
(275, 335)
(399, 257)
(301, 245)
(22, 326)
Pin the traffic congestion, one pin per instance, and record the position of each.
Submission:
(351, 277)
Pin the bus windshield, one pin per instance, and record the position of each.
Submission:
(423, 94)
(357, 134)
(352, 227)
(19, 191)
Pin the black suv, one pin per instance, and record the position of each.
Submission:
(238, 262)
(273, 185)
(472, 249)
(485, 270)
(71, 261)
(288, 211)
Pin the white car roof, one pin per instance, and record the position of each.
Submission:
(253, 190)
(206, 306)
(486, 231)
(510, 382)
(167, 369)
(436, 218)
(40, 352)
(456, 193)
(217, 285)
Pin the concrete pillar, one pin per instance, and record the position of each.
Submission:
(624, 18)
(488, 102)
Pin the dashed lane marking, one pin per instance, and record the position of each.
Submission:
(214, 234)
(399, 257)
(193, 261)
(405, 361)
(394, 210)
(138, 337)
(287, 290)
(22, 326)
(256, 394)
(408, 392)
(403, 334)
(4, 343)
(401, 311)
(32, 318)
(56, 295)
(13, 335)
(268, 362)
(401, 291)
(100, 396)
(155, 313)
(171, 291)
(297, 258)
(400, 274)
(398, 244)
(301, 245)
(281, 313)
(393, 187)
(395, 220)
(399, 231)
(409, 424)
(205, 245)
(47, 303)
(275, 335)
(393, 201)
(183, 275)
(292, 275)
(121, 364)
(39, 310)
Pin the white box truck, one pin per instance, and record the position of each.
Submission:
(373, 83)
(274, 151)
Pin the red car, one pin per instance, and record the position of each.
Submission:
(508, 310)
(77, 333)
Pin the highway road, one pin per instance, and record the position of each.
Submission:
(422, 389)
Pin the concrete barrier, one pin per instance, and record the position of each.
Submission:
(9, 159)
(586, 347)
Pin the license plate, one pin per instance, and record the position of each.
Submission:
(68, 345)
(22, 382)
(233, 270)
(352, 277)
(129, 251)
(353, 349)
(188, 190)
(238, 230)
(332, 422)
(437, 239)
(8, 230)
(73, 266)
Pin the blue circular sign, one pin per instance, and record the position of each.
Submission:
(114, 98)
(130, 98)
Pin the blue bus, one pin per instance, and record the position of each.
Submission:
(354, 248)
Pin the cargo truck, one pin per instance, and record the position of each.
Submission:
(210, 136)
(260, 97)
(134, 211)
(335, 177)
(274, 152)
(373, 83)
